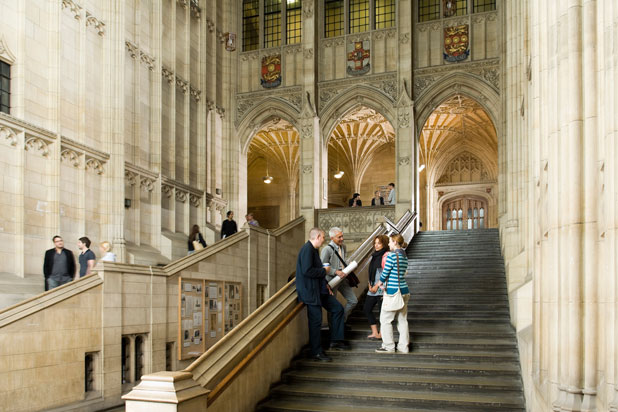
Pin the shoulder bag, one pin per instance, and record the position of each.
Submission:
(197, 245)
(352, 278)
(393, 302)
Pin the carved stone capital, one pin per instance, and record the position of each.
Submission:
(94, 165)
(168, 74)
(196, 94)
(36, 144)
(182, 84)
(147, 184)
(167, 190)
(131, 177)
(194, 200)
(8, 134)
(70, 156)
(307, 8)
(96, 23)
(132, 49)
(148, 60)
(73, 7)
(181, 195)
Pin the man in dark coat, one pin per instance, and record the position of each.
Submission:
(228, 227)
(59, 265)
(314, 292)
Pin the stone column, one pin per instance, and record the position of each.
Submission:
(114, 114)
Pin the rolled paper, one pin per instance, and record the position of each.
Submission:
(347, 270)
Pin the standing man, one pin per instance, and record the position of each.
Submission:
(329, 255)
(251, 221)
(314, 292)
(86, 257)
(391, 194)
(228, 227)
(59, 265)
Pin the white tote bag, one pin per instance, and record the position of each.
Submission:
(394, 302)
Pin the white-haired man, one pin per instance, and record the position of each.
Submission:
(329, 255)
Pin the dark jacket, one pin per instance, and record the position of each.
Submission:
(358, 202)
(376, 263)
(228, 228)
(310, 275)
(373, 201)
(48, 263)
(190, 243)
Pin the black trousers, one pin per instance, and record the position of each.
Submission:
(370, 302)
(314, 316)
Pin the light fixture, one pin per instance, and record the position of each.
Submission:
(268, 178)
(340, 172)
(420, 168)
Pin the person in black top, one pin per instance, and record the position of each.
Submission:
(377, 200)
(314, 292)
(86, 258)
(355, 201)
(59, 265)
(228, 228)
(374, 293)
(197, 236)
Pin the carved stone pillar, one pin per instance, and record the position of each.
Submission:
(312, 156)
(407, 162)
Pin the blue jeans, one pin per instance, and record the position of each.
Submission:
(314, 316)
(54, 282)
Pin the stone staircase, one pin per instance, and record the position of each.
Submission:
(464, 352)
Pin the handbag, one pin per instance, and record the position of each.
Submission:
(394, 302)
(197, 245)
(352, 278)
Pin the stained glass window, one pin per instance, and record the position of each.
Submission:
(359, 16)
(5, 87)
(251, 25)
(484, 5)
(272, 23)
(384, 14)
(428, 10)
(293, 21)
(333, 18)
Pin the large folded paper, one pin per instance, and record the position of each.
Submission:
(336, 280)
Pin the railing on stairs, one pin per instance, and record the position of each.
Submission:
(237, 372)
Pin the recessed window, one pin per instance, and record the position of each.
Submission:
(5, 87)
(251, 25)
(384, 14)
(484, 5)
(272, 23)
(359, 16)
(428, 10)
(293, 22)
(333, 18)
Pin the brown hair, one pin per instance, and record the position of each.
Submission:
(399, 240)
(194, 231)
(85, 241)
(383, 240)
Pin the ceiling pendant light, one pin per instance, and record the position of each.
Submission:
(340, 172)
(268, 178)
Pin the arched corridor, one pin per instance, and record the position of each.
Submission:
(458, 153)
(272, 173)
(362, 146)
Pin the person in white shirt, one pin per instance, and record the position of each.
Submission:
(106, 251)
(391, 194)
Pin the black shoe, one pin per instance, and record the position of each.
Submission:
(339, 345)
(322, 357)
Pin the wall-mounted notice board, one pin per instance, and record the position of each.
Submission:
(207, 310)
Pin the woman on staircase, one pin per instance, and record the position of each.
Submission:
(394, 277)
(374, 293)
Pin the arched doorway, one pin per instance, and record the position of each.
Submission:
(458, 152)
(361, 157)
(272, 173)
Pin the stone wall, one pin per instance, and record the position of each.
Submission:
(558, 200)
(49, 336)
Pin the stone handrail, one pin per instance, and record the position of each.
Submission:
(215, 371)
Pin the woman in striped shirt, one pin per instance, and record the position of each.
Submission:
(394, 276)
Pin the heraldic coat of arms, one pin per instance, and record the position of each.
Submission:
(456, 41)
(271, 71)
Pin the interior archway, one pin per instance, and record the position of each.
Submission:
(458, 153)
(362, 146)
(272, 173)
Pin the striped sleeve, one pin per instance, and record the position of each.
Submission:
(388, 267)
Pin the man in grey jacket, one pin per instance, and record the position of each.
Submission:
(329, 256)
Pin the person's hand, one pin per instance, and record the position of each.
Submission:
(330, 291)
(340, 274)
(327, 268)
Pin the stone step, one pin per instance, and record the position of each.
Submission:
(436, 354)
(410, 398)
(362, 380)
